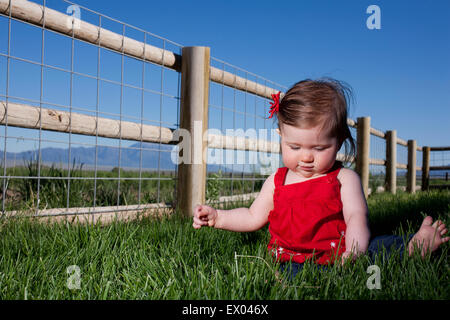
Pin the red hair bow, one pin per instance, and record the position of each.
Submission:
(275, 105)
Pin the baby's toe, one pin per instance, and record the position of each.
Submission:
(428, 221)
(437, 223)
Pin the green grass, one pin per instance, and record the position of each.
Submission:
(134, 187)
(57, 192)
(167, 259)
(437, 181)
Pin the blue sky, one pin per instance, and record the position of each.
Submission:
(400, 74)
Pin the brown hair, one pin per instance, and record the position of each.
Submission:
(323, 102)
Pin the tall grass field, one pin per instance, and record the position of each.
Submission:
(87, 188)
(165, 259)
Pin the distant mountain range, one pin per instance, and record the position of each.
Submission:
(154, 156)
(107, 157)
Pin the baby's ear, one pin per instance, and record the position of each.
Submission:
(278, 131)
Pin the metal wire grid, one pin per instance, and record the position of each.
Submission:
(402, 158)
(98, 81)
(236, 112)
(377, 172)
(419, 160)
(437, 159)
(247, 110)
(353, 132)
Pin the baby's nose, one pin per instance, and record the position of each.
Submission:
(306, 157)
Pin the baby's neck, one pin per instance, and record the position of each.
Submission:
(294, 177)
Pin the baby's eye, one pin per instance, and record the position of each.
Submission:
(294, 147)
(319, 148)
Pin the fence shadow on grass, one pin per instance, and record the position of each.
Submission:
(388, 213)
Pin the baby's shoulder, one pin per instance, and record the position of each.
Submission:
(347, 175)
(268, 186)
(274, 180)
(271, 180)
(277, 176)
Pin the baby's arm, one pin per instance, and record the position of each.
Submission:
(355, 213)
(239, 219)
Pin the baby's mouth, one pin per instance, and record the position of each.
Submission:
(306, 168)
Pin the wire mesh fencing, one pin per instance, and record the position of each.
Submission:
(402, 160)
(419, 169)
(90, 106)
(439, 167)
(47, 73)
(377, 169)
(237, 113)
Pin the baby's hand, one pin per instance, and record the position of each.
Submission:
(348, 255)
(204, 216)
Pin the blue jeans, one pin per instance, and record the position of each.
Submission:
(386, 244)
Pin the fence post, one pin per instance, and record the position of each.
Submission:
(191, 186)
(425, 168)
(391, 161)
(363, 151)
(411, 174)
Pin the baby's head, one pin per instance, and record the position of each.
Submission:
(323, 103)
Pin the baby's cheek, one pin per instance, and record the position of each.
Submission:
(289, 160)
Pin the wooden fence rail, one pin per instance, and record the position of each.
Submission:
(196, 73)
(59, 22)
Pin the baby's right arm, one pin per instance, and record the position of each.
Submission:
(239, 219)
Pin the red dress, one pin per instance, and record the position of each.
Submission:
(307, 221)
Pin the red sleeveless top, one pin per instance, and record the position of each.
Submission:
(307, 221)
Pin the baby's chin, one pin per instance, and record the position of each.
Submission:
(305, 174)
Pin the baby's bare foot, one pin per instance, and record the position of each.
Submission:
(429, 237)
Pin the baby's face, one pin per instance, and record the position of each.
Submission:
(307, 152)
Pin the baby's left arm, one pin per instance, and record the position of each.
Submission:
(355, 213)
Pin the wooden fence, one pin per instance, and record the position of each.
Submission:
(196, 74)
(427, 168)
